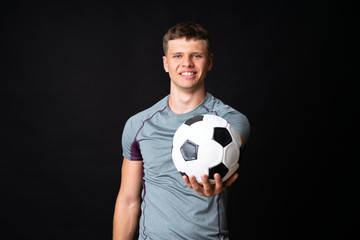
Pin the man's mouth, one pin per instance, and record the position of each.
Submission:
(187, 73)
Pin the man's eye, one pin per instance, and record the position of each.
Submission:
(177, 56)
(197, 56)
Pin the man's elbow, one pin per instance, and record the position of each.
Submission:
(129, 202)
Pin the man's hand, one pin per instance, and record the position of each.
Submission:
(207, 189)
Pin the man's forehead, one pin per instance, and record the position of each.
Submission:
(183, 44)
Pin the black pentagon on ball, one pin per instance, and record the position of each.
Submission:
(193, 120)
(222, 136)
(220, 168)
(189, 150)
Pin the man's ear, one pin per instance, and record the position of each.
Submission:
(165, 64)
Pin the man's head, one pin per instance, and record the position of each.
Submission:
(187, 30)
(187, 56)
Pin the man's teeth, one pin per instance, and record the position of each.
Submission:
(187, 73)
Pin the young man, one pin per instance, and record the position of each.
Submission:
(172, 206)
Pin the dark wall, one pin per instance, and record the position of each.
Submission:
(72, 74)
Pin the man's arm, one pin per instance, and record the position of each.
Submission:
(127, 207)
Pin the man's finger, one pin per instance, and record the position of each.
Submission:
(194, 184)
(217, 178)
(186, 180)
(207, 185)
(219, 186)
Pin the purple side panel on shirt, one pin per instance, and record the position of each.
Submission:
(135, 153)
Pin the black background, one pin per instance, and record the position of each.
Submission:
(73, 73)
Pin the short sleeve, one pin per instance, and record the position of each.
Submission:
(240, 122)
(130, 145)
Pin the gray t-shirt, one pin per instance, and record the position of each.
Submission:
(170, 209)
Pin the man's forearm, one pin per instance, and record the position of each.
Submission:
(126, 218)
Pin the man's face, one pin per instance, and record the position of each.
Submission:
(187, 62)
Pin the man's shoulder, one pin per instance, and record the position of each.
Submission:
(230, 114)
(150, 111)
(219, 106)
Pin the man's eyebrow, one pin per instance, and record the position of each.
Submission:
(177, 53)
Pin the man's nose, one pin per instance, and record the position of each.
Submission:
(187, 62)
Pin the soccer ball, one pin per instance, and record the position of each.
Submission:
(206, 144)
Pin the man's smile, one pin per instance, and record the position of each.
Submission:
(187, 73)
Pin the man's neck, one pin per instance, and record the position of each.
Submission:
(181, 102)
